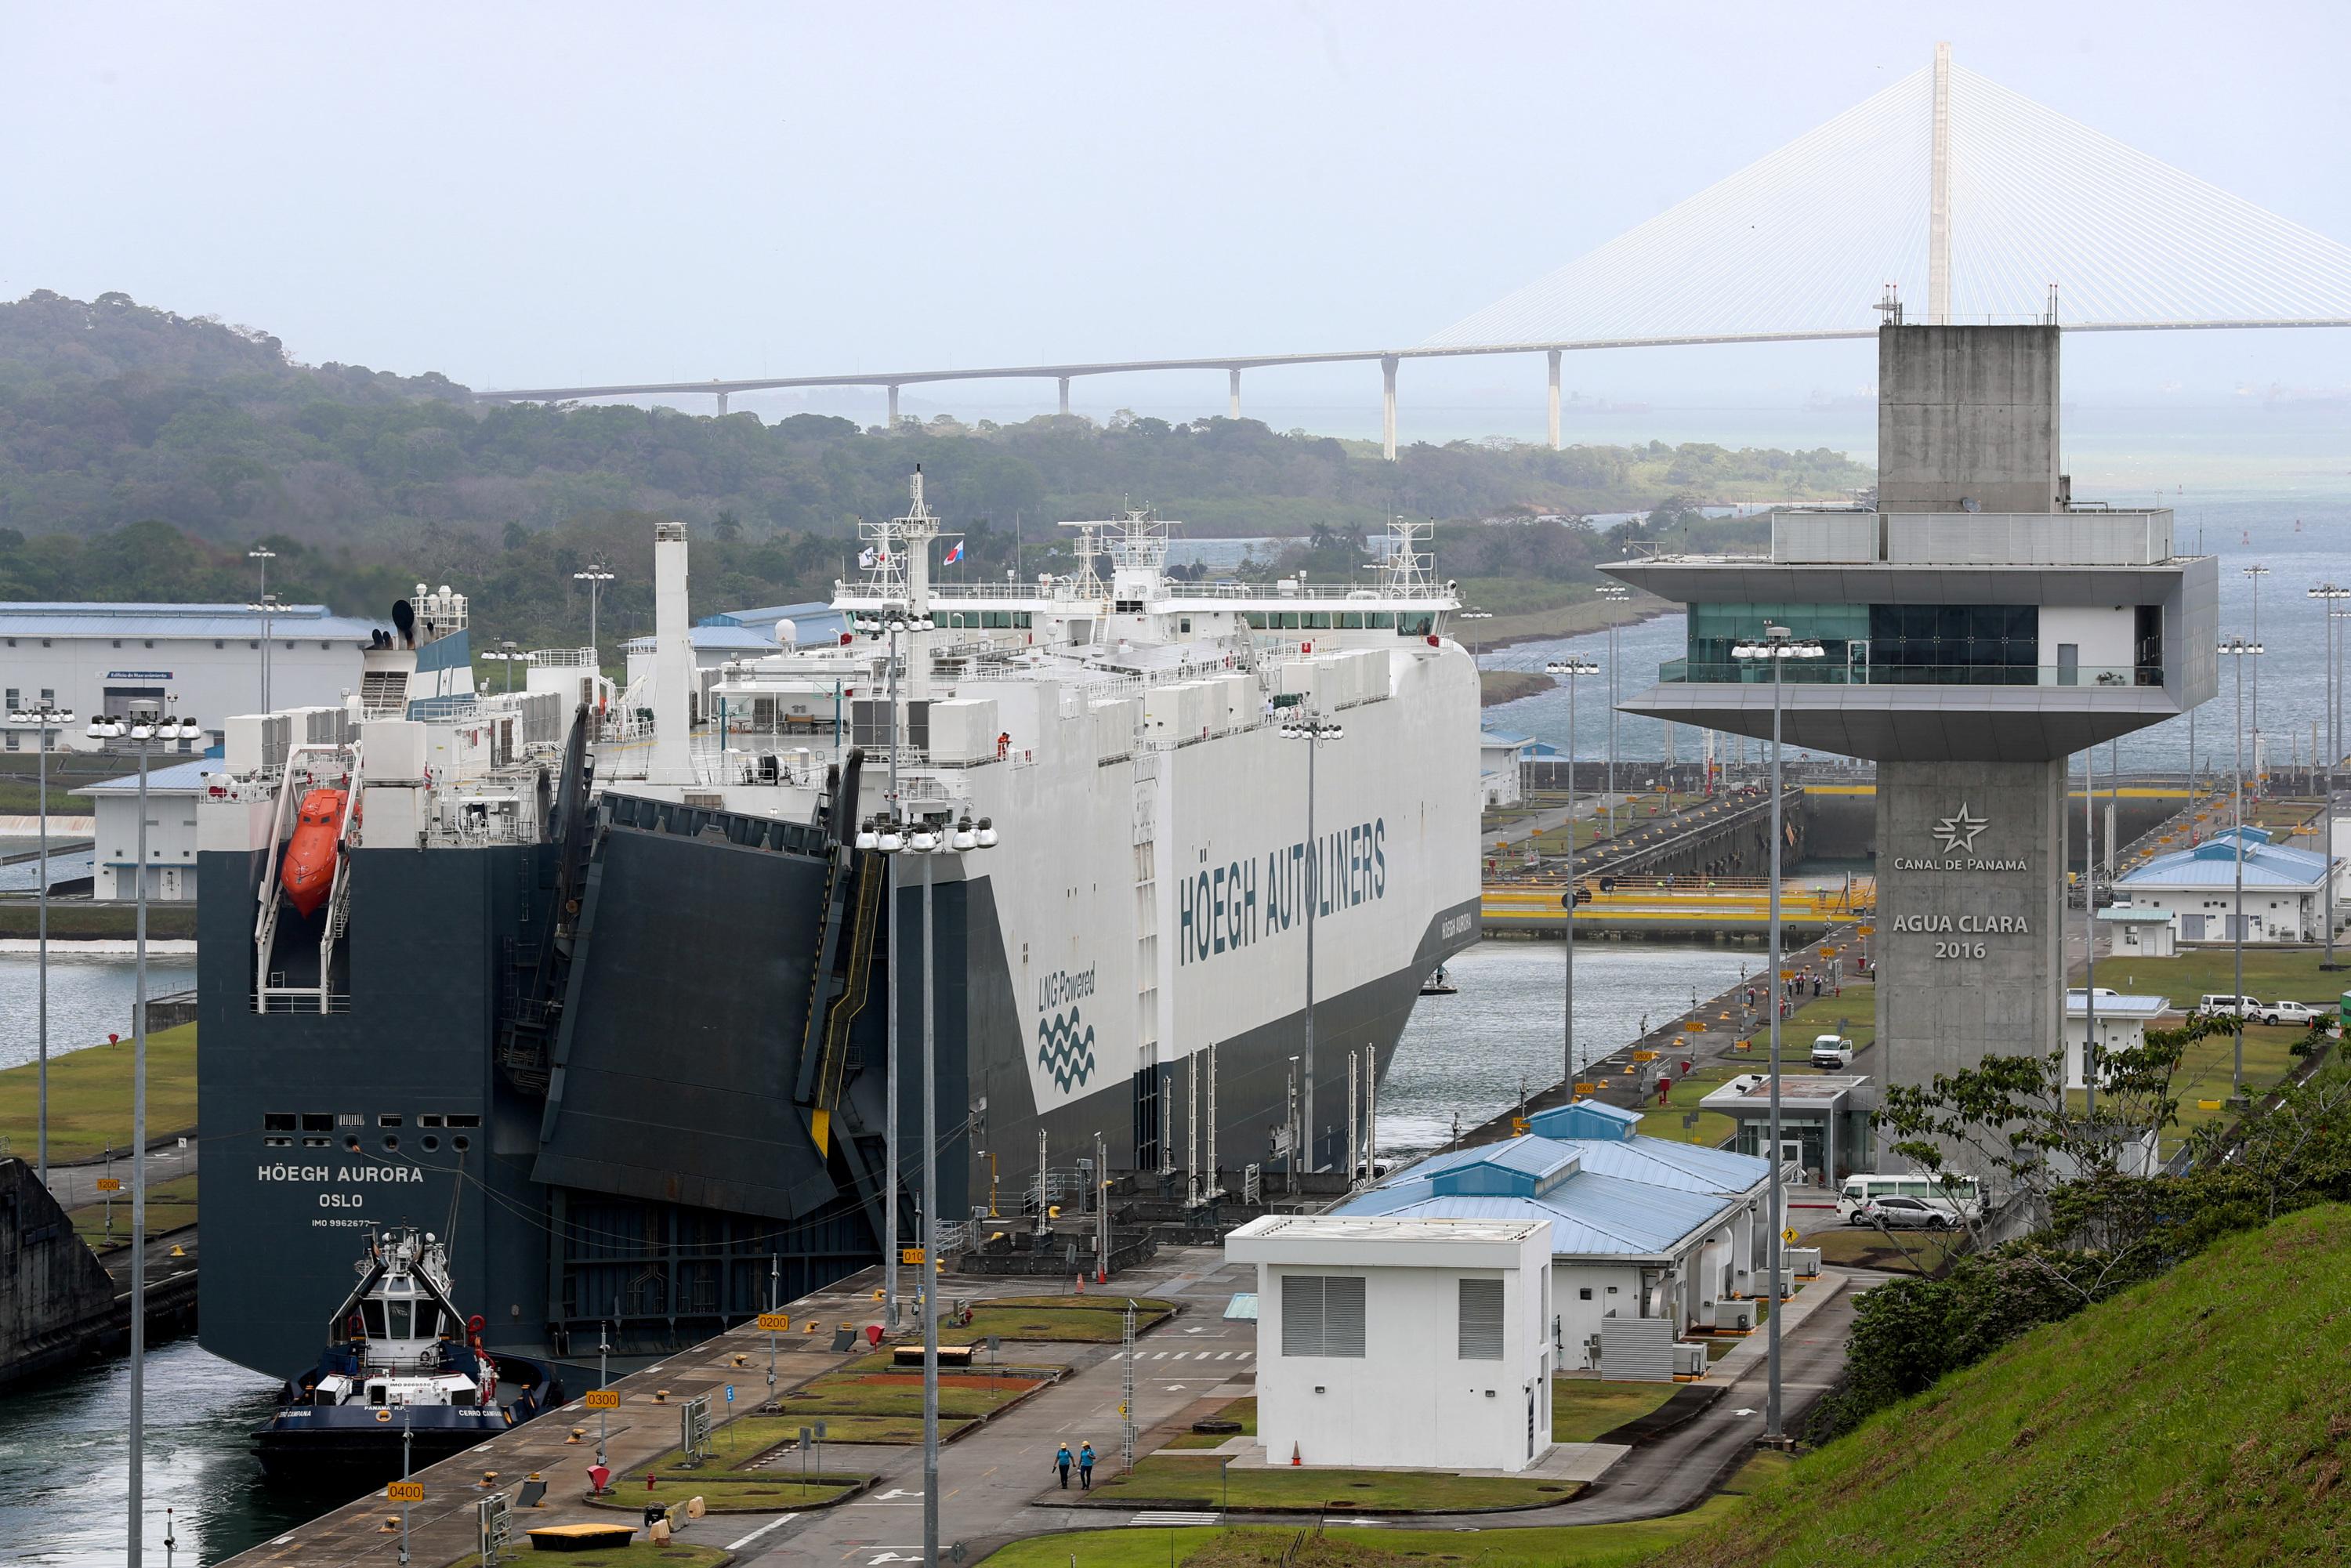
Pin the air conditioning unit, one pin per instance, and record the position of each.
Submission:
(1689, 1360)
(1733, 1317)
(1804, 1260)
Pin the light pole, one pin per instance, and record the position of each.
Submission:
(595, 577)
(142, 728)
(43, 722)
(2090, 932)
(2257, 572)
(1570, 670)
(1612, 595)
(1779, 645)
(929, 839)
(505, 653)
(2240, 650)
(1473, 614)
(886, 834)
(2326, 593)
(604, 1380)
(265, 604)
(1316, 732)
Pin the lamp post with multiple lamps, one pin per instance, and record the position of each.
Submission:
(2256, 572)
(888, 832)
(1473, 614)
(1612, 595)
(595, 577)
(505, 653)
(2237, 650)
(139, 731)
(263, 603)
(1316, 732)
(927, 838)
(1779, 645)
(2328, 594)
(41, 723)
(1570, 670)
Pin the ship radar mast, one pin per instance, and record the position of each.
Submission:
(1136, 543)
(897, 554)
(1409, 571)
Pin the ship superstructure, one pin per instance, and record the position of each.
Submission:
(665, 1012)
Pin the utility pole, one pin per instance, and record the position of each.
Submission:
(1570, 671)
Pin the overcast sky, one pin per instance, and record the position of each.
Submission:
(521, 195)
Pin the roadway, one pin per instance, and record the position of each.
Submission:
(75, 1185)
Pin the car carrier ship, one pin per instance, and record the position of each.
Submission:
(595, 984)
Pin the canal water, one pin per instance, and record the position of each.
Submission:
(1468, 1055)
(89, 998)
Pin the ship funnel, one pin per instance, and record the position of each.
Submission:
(673, 760)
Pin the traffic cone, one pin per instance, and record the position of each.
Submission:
(1101, 1278)
(1081, 1284)
(1293, 1455)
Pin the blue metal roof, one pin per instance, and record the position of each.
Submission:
(2213, 864)
(1585, 1119)
(1636, 1197)
(104, 619)
(1590, 1216)
(767, 616)
(179, 778)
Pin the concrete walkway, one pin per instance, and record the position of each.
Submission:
(997, 1482)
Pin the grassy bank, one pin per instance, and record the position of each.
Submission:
(2203, 1417)
(73, 921)
(90, 1096)
(1178, 1480)
(1509, 685)
(169, 1205)
(1572, 1546)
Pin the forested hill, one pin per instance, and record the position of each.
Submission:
(141, 452)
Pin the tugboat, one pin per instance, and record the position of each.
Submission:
(401, 1364)
(1440, 984)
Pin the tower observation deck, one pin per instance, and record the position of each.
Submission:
(1979, 627)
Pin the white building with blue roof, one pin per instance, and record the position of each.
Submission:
(2284, 896)
(1640, 1227)
(203, 660)
(1502, 765)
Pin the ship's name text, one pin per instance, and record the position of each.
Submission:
(344, 1173)
(1224, 908)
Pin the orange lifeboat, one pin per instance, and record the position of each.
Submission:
(310, 869)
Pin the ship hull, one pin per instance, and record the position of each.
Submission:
(705, 1131)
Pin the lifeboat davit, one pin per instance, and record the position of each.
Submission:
(309, 869)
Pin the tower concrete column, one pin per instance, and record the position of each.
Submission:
(722, 405)
(1065, 397)
(1387, 406)
(1971, 914)
(1233, 397)
(1555, 400)
(890, 422)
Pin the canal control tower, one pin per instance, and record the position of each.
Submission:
(1980, 626)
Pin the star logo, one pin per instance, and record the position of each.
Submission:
(1958, 832)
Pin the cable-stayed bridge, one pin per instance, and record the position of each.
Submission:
(1944, 187)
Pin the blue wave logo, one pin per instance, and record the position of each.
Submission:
(1064, 1052)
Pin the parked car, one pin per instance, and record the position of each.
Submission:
(1904, 1213)
(1833, 1052)
(2230, 1006)
(2287, 1012)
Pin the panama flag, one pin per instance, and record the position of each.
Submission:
(954, 554)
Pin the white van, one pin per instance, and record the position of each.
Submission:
(1832, 1052)
(1956, 1196)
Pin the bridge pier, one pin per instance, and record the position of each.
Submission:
(891, 423)
(1387, 406)
(1233, 397)
(1065, 397)
(1555, 400)
(722, 405)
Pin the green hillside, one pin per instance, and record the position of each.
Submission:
(142, 452)
(2203, 1417)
